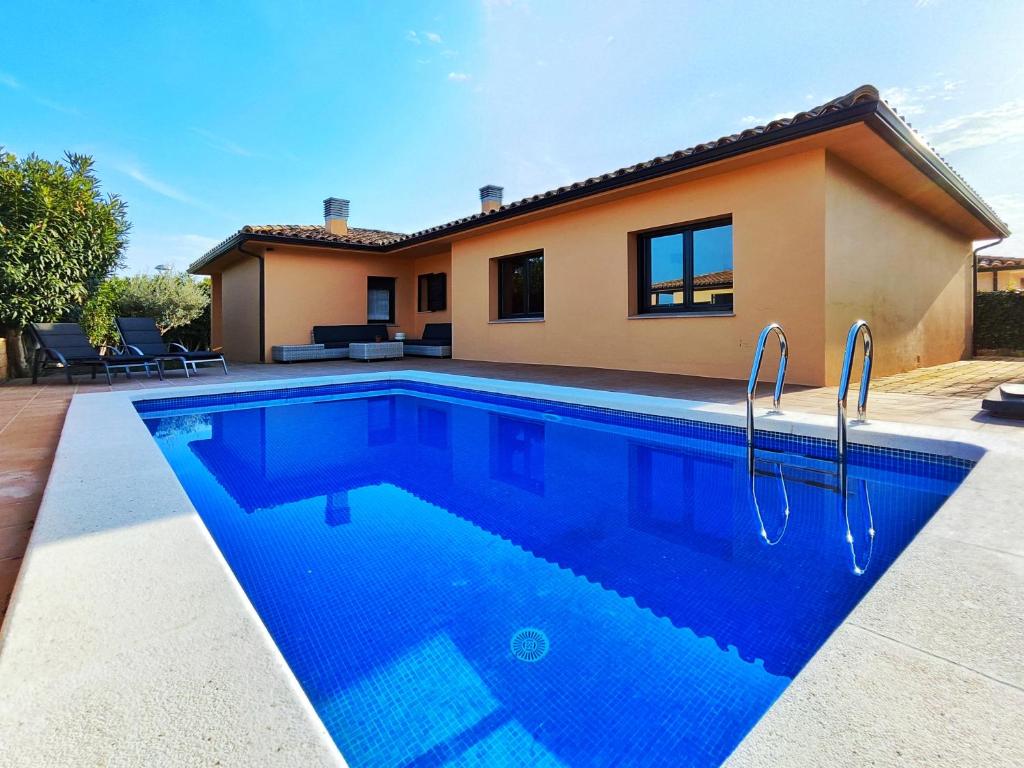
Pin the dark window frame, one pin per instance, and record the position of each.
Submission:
(525, 259)
(437, 298)
(643, 271)
(384, 283)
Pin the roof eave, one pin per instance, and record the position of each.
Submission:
(888, 125)
(240, 238)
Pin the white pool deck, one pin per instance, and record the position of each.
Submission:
(129, 642)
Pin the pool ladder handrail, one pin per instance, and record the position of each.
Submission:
(757, 505)
(755, 369)
(843, 494)
(859, 327)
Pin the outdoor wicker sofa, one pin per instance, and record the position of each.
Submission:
(436, 341)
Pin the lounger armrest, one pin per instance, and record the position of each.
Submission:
(133, 349)
(53, 353)
(176, 347)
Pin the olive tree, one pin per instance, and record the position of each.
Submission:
(60, 236)
(173, 300)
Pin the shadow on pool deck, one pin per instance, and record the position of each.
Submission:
(31, 417)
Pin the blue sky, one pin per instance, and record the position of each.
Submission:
(207, 116)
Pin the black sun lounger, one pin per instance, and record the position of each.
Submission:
(1006, 400)
(65, 345)
(141, 336)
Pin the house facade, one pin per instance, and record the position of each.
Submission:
(673, 265)
(1005, 273)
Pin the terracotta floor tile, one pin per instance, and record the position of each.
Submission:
(14, 539)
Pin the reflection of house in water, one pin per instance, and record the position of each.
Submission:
(517, 452)
(263, 461)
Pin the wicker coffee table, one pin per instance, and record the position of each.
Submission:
(376, 350)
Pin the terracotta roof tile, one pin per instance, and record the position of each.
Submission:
(355, 235)
(721, 278)
(1000, 262)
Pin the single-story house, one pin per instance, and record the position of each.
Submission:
(672, 265)
(997, 273)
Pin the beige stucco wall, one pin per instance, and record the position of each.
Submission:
(778, 213)
(905, 273)
(239, 291)
(307, 287)
(440, 262)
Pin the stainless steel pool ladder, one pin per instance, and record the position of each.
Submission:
(843, 495)
(859, 327)
(755, 368)
(771, 542)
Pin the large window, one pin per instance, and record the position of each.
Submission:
(686, 269)
(521, 286)
(432, 292)
(380, 299)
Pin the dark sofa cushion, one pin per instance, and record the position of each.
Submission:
(340, 336)
(439, 333)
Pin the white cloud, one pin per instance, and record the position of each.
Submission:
(418, 37)
(10, 81)
(908, 102)
(1010, 208)
(458, 77)
(219, 142)
(161, 188)
(749, 121)
(56, 106)
(1003, 123)
(914, 102)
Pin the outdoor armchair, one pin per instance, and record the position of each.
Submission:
(141, 336)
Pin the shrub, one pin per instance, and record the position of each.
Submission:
(99, 312)
(999, 320)
(179, 305)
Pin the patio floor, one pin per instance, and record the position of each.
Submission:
(31, 417)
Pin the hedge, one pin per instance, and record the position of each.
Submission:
(999, 320)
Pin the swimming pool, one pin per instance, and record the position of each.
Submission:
(464, 578)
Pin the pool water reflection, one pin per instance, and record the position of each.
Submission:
(395, 544)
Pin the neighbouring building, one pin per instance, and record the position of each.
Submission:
(1000, 273)
(672, 265)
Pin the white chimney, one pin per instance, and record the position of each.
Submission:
(490, 198)
(336, 215)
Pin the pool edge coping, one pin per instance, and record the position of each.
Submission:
(760, 744)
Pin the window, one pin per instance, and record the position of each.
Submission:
(517, 452)
(521, 286)
(432, 292)
(686, 269)
(380, 299)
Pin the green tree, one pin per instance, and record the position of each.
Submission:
(173, 300)
(59, 237)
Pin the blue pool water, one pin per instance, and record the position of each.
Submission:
(463, 579)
